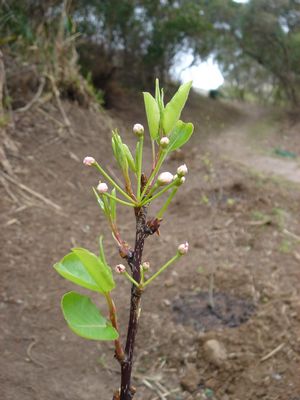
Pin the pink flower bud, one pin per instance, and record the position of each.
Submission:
(183, 248)
(182, 170)
(145, 265)
(89, 161)
(164, 142)
(165, 178)
(138, 129)
(120, 268)
(102, 187)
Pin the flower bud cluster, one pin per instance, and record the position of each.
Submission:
(183, 248)
(89, 161)
(138, 129)
(102, 187)
(164, 142)
(120, 268)
(165, 178)
(182, 170)
(145, 265)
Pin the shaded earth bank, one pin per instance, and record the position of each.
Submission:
(244, 232)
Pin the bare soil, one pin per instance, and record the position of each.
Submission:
(244, 231)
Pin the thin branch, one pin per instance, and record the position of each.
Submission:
(31, 191)
(35, 98)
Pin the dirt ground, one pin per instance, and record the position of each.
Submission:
(244, 233)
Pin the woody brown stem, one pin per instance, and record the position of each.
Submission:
(127, 392)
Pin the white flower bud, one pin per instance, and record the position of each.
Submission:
(145, 265)
(138, 129)
(89, 161)
(182, 170)
(165, 178)
(164, 142)
(120, 268)
(102, 187)
(181, 180)
(183, 248)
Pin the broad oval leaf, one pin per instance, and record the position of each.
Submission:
(180, 135)
(173, 109)
(84, 318)
(100, 272)
(72, 269)
(153, 115)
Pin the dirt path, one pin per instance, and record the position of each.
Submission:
(249, 143)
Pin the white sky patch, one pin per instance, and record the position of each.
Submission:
(205, 75)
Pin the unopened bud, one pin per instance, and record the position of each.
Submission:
(182, 170)
(145, 265)
(138, 129)
(89, 161)
(165, 178)
(102, 187)
(120, 268)
(179, 180)
(164, 142)
(183, 248)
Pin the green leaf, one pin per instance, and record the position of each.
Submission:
(113, 205)
(102, 254)
(180, 135)
(157, 91)
(84, 318)
(99, 201)
(153, 115)
(72, 269)
(173, 109)
(119, 152)
(129, 157)
(100, 272)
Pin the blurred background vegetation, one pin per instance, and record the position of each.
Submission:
(93, 48)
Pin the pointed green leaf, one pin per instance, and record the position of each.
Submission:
(84, 318)
(100, 272)
(157, 91)
(180, 135)
(153, 115)
(99, 201)
(129, 157)
(119, 152)
(72, 269)
(102, 254)
(173, 109)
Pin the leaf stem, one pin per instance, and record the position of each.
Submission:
(173, 259)
(139, 170)
(119, 200)
(105, 174)
(167, 203)
(162, 156)
(131, 279)
(165, 189)
(153, 153)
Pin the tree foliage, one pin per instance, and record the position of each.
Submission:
(257, 44)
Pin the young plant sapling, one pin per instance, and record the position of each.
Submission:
(167, 134)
